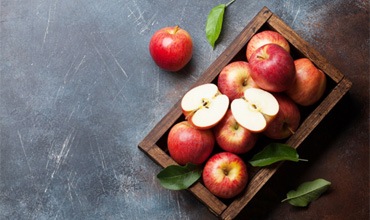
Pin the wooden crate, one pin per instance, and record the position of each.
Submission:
(154, 144)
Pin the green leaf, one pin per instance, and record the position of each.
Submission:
(214, 22)
(307, 192)
(273, 153)
(175, 177)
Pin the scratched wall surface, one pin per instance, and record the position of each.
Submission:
(79, 91)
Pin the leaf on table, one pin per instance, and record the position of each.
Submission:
(214, 22)
(273, 153)
(307, 192)
(175, 177)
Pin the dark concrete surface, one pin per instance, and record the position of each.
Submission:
(79, 91)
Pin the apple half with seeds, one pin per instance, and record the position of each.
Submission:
(204, 106)
(255, 110)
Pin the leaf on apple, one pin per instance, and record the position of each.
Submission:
(214, 22)
(176, 177)
(273, 153)
(307, 192)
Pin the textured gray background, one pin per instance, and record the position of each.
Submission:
(79, 91)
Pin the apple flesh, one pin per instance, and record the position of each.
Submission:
(234, 79)
(309, 85)
(263, 38)
(171, 48)
(204, 106)
(255, 110)
(287, 119)
(225, 175)
(232, 137)
(186, 144)
(272, 68)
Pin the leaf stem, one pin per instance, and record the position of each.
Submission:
(304, 160)
(230, 2)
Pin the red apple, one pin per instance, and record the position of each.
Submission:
(171, 48)
(310, 83)
(287, 119)
(266, 37)
(232, 137)
(225, 175)
(186, 144)
(272, 68)
(234, 79)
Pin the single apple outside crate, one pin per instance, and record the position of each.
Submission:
(154, 144)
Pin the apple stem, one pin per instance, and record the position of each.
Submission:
(229, 3)
(176, 29)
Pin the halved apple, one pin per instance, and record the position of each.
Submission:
(255, 110)
(204, 106)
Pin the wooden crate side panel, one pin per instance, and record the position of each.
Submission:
(207, 198)
(160, 157)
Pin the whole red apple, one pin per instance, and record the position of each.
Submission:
(225, 175)
(186, 144)
(309, 85)
(232, 137)
(234, 78)
(171, 48)
(272, 68)
(266, 37)
(287, 119)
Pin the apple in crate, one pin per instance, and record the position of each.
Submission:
(204, 106)
(255, 110)
(310, 83)
(171, 48)
(232, 137)
(287, 119)
(186, 144)
(272, 68)
(263, 38)
(225, 175)
(234, 78)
